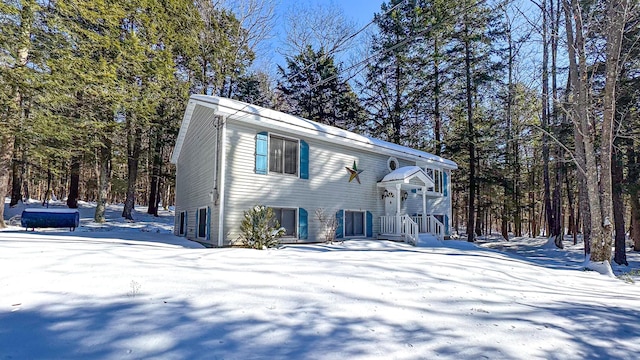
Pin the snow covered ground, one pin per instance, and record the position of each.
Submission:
(133, 290)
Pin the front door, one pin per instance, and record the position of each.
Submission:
(390, 202)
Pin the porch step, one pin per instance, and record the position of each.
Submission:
(391, 237)
(423, 238)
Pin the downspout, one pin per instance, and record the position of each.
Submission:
(215, 194)
(221, 177)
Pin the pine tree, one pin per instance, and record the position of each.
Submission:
(312, 88)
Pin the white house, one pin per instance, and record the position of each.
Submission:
(231, 156)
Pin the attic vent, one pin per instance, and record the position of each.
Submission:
(392, 164)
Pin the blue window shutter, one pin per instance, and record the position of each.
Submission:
(208, 230)
(446, 224)
(369, 224)
(340, 224)
(304, 160)
(444, 182)
(262, 149)
(415, 191)
(303, 227)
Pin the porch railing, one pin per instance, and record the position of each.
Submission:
(435, 227)
(402, 225)
(430, 224)
(410, 229)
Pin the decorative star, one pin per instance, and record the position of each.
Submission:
(354, 173)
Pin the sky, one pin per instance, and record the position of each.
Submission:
(360, 11)
(133, 290)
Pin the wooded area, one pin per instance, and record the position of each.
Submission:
(537, 101)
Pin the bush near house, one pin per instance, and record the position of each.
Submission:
(260, 229)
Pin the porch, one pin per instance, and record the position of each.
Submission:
(402, 227)
(408, 228)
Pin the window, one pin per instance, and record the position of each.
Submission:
(182, 223)
(280, 155)
(202, 223)
(283, 155)
(354, 223)
(287, 219)
(437, 177)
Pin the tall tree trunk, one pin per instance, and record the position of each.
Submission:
(573, 221)
(545, 122)
(633, 172)
(620, 256)
(471, 217)
(47, 194)
(397, 107)
(156, 167)
(616, 14)
(134, 146)
(104, 176)
(6, 152)
(437, 117)
(16, 178)
(74, 182)
(579, 110)
(558, 224)
(508, 181)
(598, 187)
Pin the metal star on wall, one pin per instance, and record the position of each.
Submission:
(354, 173)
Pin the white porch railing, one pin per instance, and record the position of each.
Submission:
(402, 225)
(409, 229)
(430, 225)
(434, 226)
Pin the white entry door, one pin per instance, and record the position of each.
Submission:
(390, 202)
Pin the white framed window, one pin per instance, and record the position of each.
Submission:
(201, 230)
(438, 180)
(283, 155)
(288, 219)
(182, 223)
(354, 223)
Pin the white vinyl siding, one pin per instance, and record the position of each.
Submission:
(195, 173)
(328, 186)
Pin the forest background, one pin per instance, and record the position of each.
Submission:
(537, 101)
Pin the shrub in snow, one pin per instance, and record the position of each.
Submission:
(260, 229)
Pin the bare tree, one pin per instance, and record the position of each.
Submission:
(321, 26)
(599, 188)
(329, 224)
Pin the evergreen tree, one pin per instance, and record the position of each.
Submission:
(312, 88)
(390, 89)
(21, 33)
